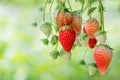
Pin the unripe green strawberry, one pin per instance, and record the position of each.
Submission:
(101, 37)
(92, 69)
(54, 54)
(54, 40)
(67, 37)
(45, 41)
(102, 57)
(46, 28)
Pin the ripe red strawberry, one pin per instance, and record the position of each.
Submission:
(92, 42)
(91, 26)
(67, 37)
(76, 23)
(103, 57)
(63, 18)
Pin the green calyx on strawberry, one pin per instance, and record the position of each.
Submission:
(54, 54)
(54, 40)
(101, 37)
(102, 56)
(46, 28)
(67, 37)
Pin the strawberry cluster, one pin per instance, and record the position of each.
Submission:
(70, 33)
(69, 25)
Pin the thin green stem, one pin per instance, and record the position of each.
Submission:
(90, 15)
(84, 8)
(50, 9)
(44, 10)
(85, 51)
(101, 12)
(69, 5)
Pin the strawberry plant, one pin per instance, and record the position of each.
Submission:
(68, 30)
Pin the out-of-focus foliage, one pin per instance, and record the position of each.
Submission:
(24, 57)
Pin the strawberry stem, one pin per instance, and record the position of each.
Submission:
(50, 9)
(101, 12)
(83, 9)
(90, 16)
(44, 10)
(69, 5)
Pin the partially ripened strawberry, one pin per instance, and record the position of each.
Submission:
(102, 57)
(76, 23)
(91, 26)
(101, 37)
(63, 18)
(92, 41)
(46, 28)
(67, 37)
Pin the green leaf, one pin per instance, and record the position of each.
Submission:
(91, 10)
(34, 24)
(82, 62)
(45, 41)
(82, 2)
(91, 1)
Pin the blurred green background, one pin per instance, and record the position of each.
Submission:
(24, 57)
